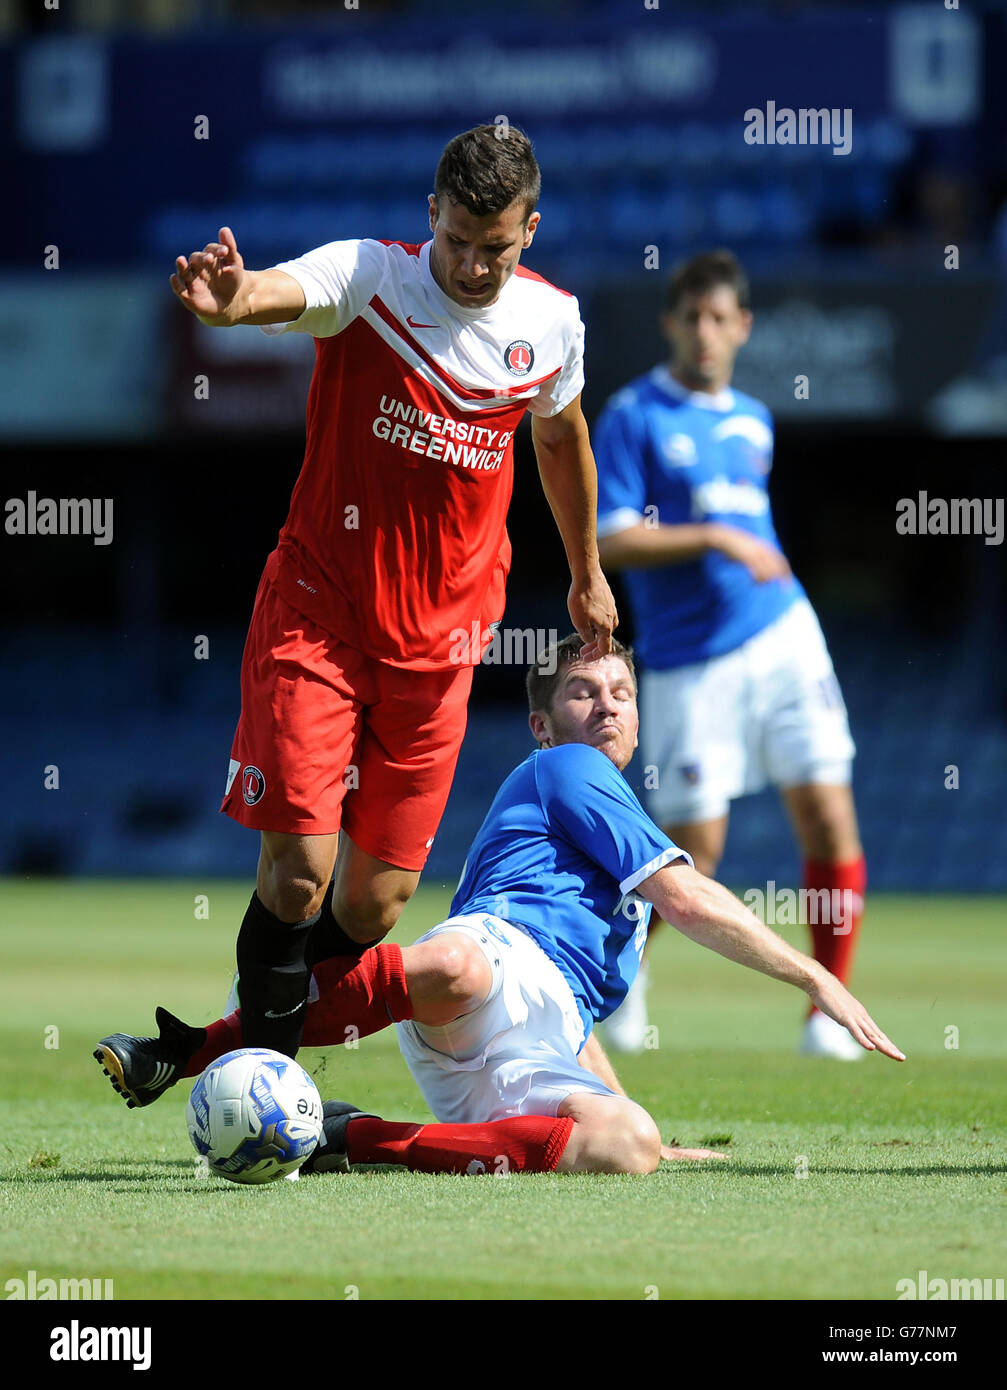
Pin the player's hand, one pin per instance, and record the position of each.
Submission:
(837, 1001)
(593, 612)
(207, 281)
(763, 561)
(689, 1155)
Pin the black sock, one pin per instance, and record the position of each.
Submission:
(273, 978)
(328, 939)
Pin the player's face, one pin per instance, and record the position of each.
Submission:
(705, 332)
(594, 703)
(472, 258)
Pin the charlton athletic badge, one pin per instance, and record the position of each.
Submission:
(253, 784)
(518, 358)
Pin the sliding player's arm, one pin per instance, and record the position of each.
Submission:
(570, 483)
(594, 1058)
(645, 546)
(214, 285)
(708, 913)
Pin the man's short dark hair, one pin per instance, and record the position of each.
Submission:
(705, 272)
(545, 674)
(487, 168)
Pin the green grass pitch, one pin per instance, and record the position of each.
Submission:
(905, 1163)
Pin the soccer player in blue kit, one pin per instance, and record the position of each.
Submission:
(546, 932)
(738, 689)
(496, 1005)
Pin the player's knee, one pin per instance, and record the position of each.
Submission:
(293, 876)
(639, 1144)
(613, 1136)
(369, 910)
(461, 967)
(292, 892)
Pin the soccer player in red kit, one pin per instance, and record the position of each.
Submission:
(394, 555)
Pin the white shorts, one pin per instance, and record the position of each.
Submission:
(770, 711)
(517, 1053)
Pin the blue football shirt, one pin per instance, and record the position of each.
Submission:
(561, 850)
(681, 457)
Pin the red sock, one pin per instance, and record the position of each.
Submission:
(356, 997)
(846, 884)
(524, 1144)
(222, 1036)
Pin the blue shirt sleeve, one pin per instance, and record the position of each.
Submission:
(586, 799)
(622, 476)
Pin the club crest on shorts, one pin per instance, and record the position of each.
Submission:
(690, 773)
(253, 784)
(519, 357)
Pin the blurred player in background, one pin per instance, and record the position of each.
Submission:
(496, 1006)
(739, 688)
(354, 683)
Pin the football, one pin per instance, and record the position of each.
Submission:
(254, 1115)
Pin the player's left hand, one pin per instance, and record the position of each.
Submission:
(593, 612)
(689, 1155)
(836, 1000)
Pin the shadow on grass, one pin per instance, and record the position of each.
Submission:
(124, 1184)
(139, 1173)
(786, 1170)
(136, 1169)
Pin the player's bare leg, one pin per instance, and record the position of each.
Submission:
(825, 824)
(294, 872)
(369, 893)
(611, 1134)
(703, 839)
(626, 1028)
(448, 977)
(824, 820)
(362, 905)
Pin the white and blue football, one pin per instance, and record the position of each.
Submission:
(254, 1115)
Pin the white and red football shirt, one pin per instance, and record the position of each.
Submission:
(396, 539)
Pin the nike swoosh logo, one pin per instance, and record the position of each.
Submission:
(413, 324)
(270, 1014)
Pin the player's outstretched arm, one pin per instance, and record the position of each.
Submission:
(708, 913)
(214, 285)
(570, 483)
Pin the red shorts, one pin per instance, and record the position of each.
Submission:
(329, 739)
